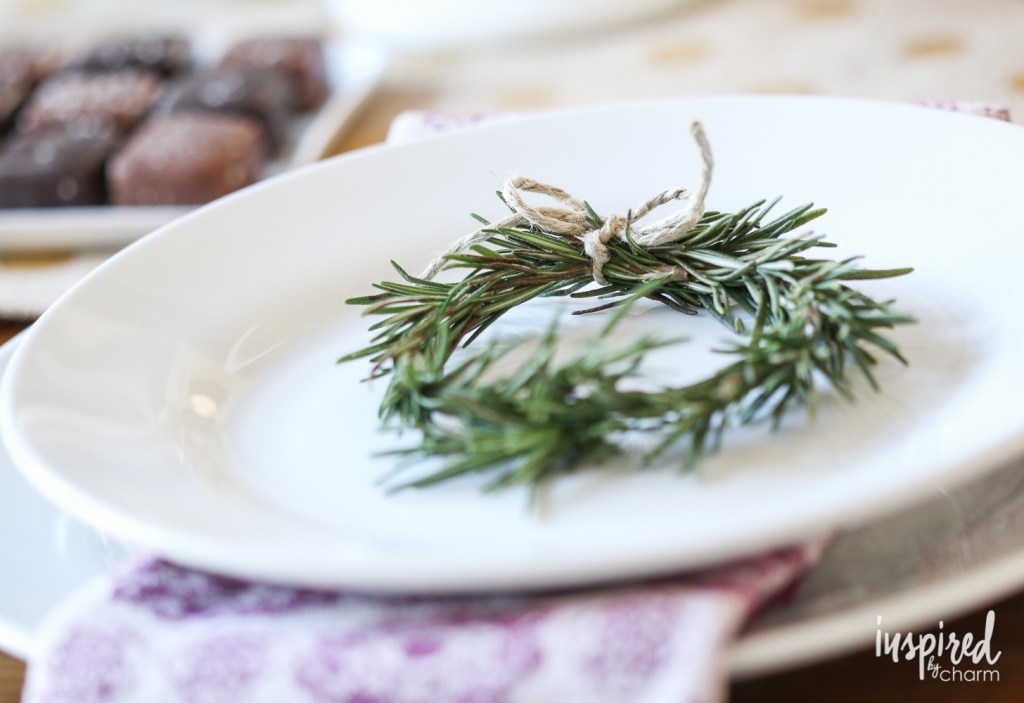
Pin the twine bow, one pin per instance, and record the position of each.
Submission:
(570, 216)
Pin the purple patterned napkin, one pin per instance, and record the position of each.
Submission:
(159, 632)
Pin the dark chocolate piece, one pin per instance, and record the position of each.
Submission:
(28, 62)
(262, 96)
(15, 66)
(12, 93)
(300, 58)
(186, 159)
(20, 69)
(166, 55)
(118, 98)
(55, 167)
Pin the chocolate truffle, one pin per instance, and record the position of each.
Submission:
(186, 159)
(300, 58)
(55, 167)
(12, 93)
(28, 62)
(20, 69)
(117, 98)
(164, 55)
(262, 96)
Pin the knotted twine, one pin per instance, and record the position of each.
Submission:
(572, 217)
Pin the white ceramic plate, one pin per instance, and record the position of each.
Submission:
(185, 395)
(959, 550)
(46, 553)
(435, 23)
(354, 70)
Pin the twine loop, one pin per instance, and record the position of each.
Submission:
(570, 216)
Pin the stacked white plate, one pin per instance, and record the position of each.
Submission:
(184, 398)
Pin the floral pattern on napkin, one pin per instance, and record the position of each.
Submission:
(161, 632)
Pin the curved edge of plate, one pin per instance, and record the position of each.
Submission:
(848, 631)
(14, 641)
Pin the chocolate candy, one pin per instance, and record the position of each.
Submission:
(12, 93)
(29, 62)
(164, 55)
(186, 159)
(21, 67)
(262, 96)
(120, 99)
(300, 58)
(55, 167)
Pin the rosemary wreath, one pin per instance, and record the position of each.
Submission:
(548, 418)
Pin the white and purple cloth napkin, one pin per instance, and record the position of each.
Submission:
(158, 632)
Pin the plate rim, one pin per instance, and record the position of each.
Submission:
(115, 521)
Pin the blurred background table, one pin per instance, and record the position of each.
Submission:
(884, 49)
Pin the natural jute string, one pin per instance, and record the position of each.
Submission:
(571, 218)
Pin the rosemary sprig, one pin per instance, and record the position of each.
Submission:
(548, 418)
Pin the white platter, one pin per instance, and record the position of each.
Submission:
(185, 397)
(959, 550)
(354, 70)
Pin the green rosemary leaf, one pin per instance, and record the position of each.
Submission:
(364, 299)
(595, 220)
(596, 292)
(868, 274)
(368, 351)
